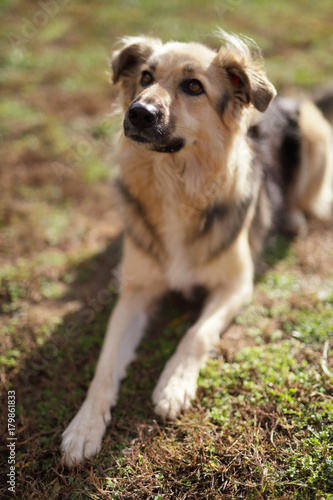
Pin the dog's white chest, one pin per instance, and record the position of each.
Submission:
(179, 275)
(179, 271)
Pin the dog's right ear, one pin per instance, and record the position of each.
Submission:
(134, 51)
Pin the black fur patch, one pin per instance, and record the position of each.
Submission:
(279, 138)
(138, 226)
(133, 92)
(229, 217)
(223, 104)
(290, 151)
(276, 142)
(220, 224)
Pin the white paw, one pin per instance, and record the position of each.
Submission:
(83, 437)
(175, 389)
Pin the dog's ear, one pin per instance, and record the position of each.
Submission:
(242, 62)
(133, 52)
(250, 84)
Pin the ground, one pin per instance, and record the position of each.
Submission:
(261, 426)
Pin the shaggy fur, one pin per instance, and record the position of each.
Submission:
(204, 177)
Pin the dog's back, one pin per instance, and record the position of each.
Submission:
(294, 144)
(323, 99)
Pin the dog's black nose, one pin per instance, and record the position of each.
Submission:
(142, 115)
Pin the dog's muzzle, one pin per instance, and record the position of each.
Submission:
(146, 124)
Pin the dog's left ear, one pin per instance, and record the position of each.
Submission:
(242, 62)
(250, 84)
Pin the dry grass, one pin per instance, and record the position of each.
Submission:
(261, 426)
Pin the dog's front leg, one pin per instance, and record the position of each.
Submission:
(178, 382)
(83, 436)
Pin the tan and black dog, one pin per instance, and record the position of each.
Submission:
(208, 166)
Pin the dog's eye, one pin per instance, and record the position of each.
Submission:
(146, 78)
(193, 87)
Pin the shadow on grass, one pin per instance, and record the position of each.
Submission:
(52, 383)
(277, 249)
(51, 386)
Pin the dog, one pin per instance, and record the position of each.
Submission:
(210, 162)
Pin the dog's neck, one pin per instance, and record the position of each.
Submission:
(205, 173)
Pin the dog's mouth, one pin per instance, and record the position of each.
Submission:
(173, 146)
(144, 124)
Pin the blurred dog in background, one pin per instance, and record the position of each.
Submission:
(209, 165)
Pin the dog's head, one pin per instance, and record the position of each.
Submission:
(174, 93)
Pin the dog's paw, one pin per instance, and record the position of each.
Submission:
(83, 437)
(175, 391)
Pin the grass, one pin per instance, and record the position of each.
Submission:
(261, 426)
